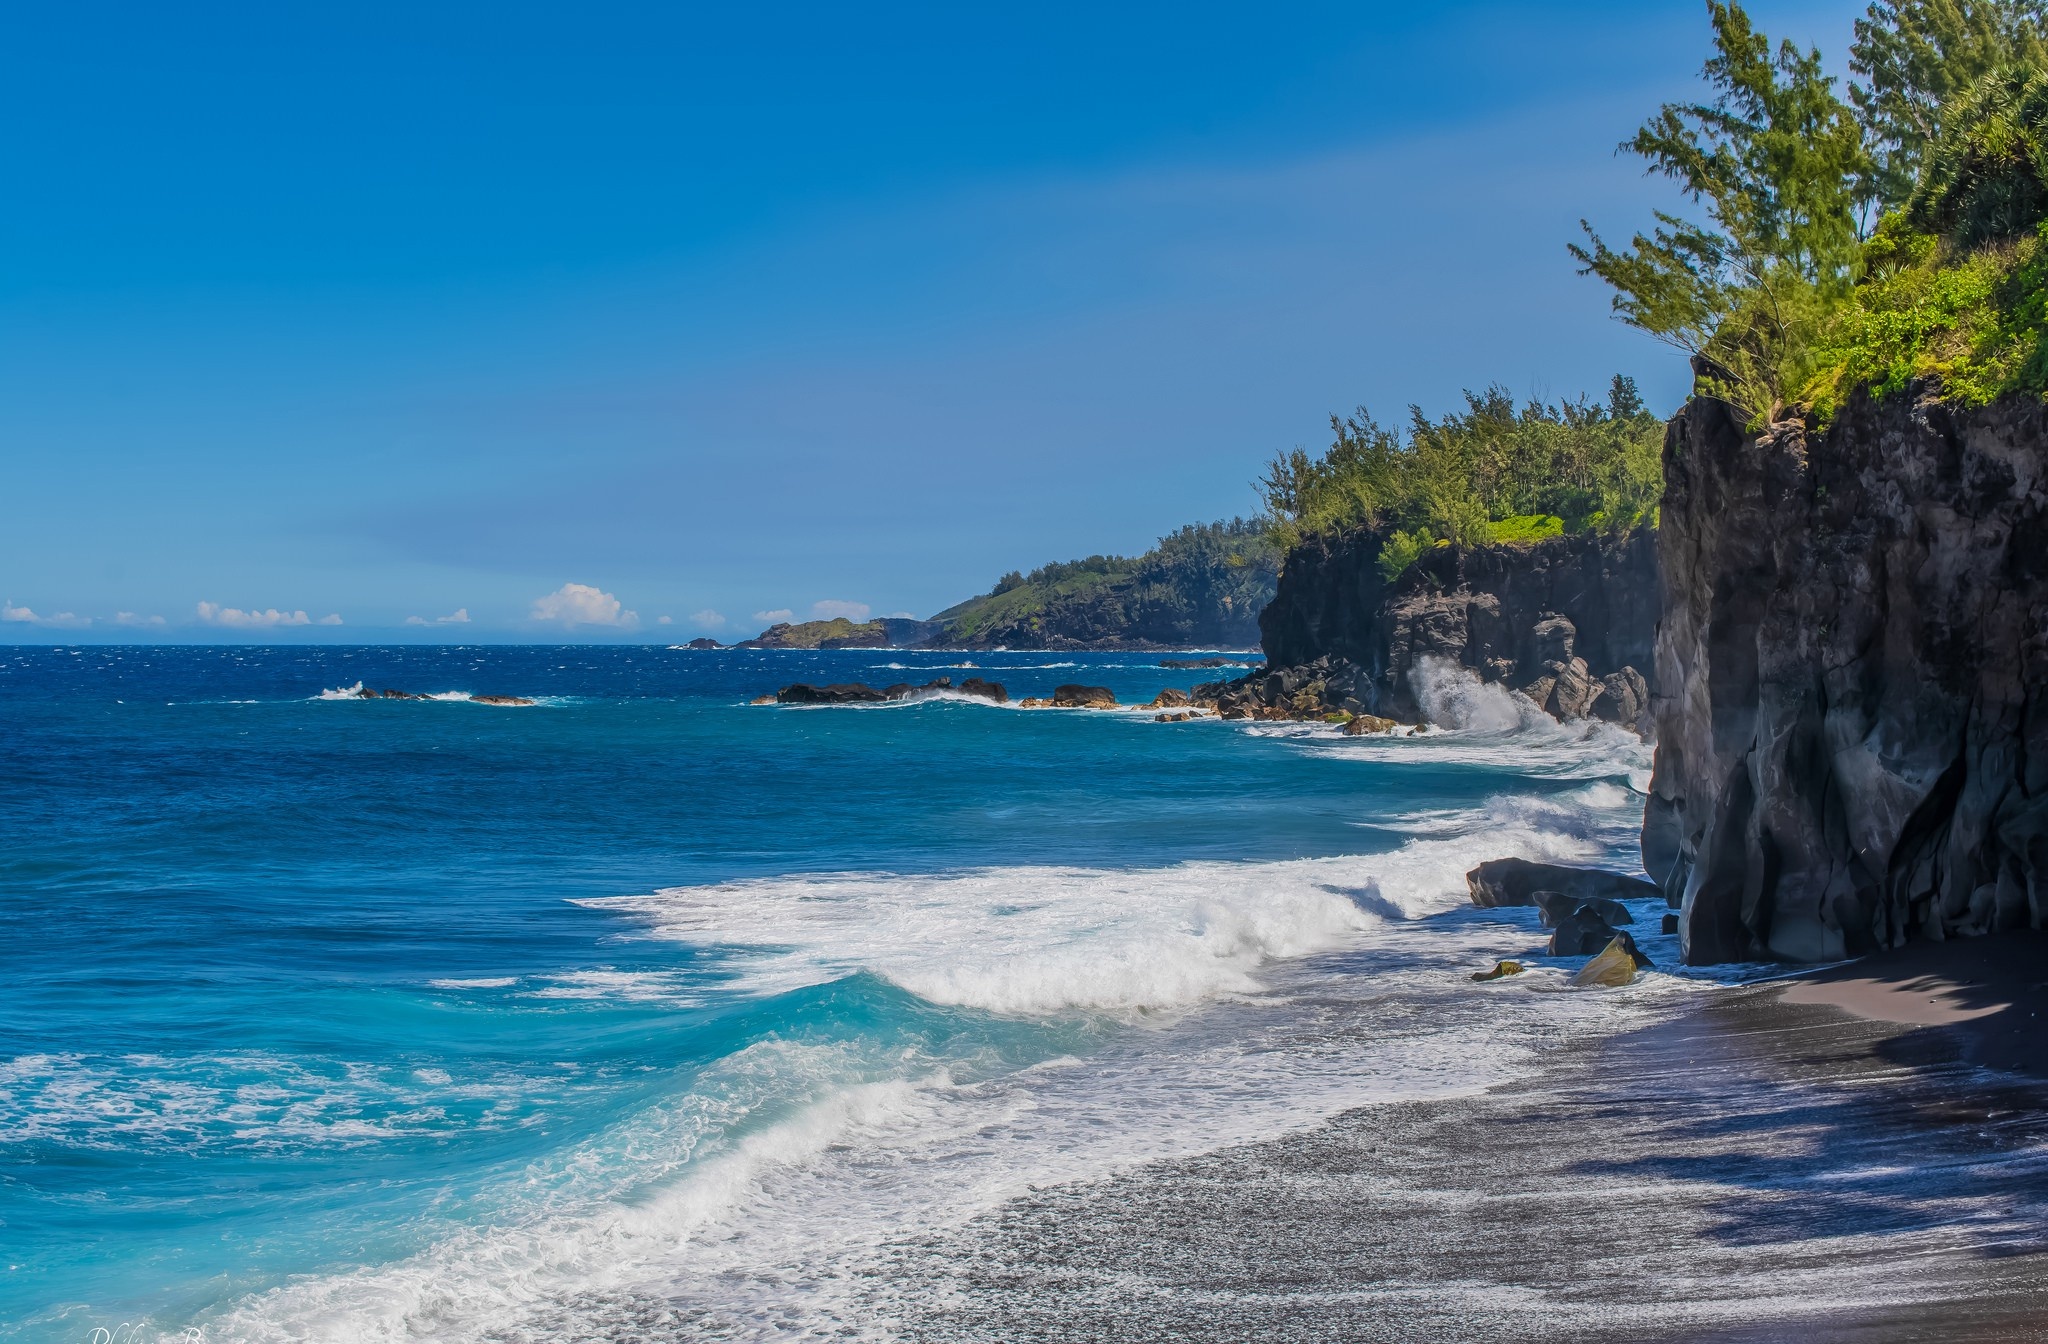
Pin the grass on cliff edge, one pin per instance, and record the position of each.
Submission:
(1976, 320)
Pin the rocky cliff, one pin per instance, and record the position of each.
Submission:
(1851, 700)
(1569, 621)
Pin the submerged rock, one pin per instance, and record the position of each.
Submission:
(1500, 968)
(1360, 724)
(1516, 881)
(505, 700)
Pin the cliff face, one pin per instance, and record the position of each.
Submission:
(1851, 680)
(1569, 621)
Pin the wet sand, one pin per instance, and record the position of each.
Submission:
(1859, 1154)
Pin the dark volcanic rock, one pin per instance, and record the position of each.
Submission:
(1569, 621)
(1851, 689)
(1555, 907)
(1183, 664)
(842, 693)
(1517, 882)
(857, 693)
(1581, 934)
(1076, 696)
(703, 644)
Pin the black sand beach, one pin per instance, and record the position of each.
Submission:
(1828, 1158)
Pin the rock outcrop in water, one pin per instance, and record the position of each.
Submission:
(1851, 696)
(1567, 621)
(860, 693)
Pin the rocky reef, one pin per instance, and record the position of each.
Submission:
(1851, 681)
(1568, 621)
(860, 693)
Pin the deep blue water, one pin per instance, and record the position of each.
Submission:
(339, 1019)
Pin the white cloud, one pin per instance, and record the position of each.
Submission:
(830, 607)
(707, 618)
(459, 616)
(581, 604)
(235, 618)
(664, 620)
(775, 617)
(900, 616)
(63, 619)
(331, 618)
(130, 618)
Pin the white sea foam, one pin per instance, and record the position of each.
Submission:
(1271, 994)
(356, 692)
(1039, 940)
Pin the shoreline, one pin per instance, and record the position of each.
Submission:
(1853, 1154)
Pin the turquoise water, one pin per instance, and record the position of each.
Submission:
(332, 1019)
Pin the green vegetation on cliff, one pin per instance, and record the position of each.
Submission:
(1492, 473)
(1202, 585)
(838, 632)
(1866, 243)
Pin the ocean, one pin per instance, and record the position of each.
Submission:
(647, 1010)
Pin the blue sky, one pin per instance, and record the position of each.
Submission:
(335, 323)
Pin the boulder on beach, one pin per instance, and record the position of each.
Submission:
(1580, 934)
(1360, 724)
(1553, 906)
(1500, 969)
(1076, 696)
(1615, 965)
(1516, 881)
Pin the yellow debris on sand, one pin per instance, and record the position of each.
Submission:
(1500, 968)
(1614, 967)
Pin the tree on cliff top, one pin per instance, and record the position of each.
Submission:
(1773, 289)
(1780, 164)
(1493, 471)
(1916, 57)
